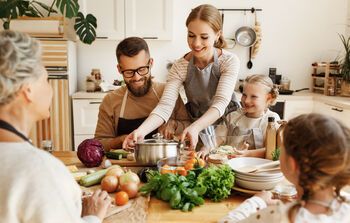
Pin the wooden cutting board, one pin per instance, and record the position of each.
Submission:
(135, 210)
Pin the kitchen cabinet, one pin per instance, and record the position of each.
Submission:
(85, 113)
(340, 113)
(293, 108)
(118, 19)
(109, 15)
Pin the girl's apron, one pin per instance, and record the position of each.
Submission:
(254, 137)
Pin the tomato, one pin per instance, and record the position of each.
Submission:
(189, 165)
(181, 171)
(121, 198)
(109, 183)
(201, 162)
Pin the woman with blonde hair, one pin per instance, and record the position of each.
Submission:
(37, 188)
(208, 74)
(315, 157)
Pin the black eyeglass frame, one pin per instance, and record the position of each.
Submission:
(137, 70)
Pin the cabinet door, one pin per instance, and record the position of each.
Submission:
(293, 108)
(149, 19)
(109, 15)
(339, 113)
(85, 115)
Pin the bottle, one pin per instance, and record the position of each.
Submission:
(270, 138)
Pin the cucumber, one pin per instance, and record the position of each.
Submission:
(93, 178)
(117, 154)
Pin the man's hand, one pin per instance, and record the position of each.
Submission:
(97, 204)
(168, 129)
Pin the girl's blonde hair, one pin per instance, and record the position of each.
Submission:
(210, 15)
(265, 81)
(321, 147)
(20, 57)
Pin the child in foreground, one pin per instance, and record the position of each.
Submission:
(315, 157)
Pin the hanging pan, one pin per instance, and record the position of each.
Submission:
(245, 36)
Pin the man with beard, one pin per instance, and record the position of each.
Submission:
(123, 110)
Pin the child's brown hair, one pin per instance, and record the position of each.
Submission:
(321, 147)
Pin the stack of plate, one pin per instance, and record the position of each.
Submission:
(254, 181)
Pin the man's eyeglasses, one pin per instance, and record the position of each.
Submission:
(141, 71)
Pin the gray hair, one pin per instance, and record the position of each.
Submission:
(20, 60)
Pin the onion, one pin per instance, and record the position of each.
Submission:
(130, 188)
(116, 171)
(109, 183)
(129, 177)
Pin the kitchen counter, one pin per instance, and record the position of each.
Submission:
(160, 212)
(338, 101)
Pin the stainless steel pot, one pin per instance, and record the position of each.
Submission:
(149, 151)
(245, 36)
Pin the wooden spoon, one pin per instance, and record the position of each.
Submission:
(251, 169)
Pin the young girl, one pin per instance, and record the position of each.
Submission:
(316, 159)
(251, 120)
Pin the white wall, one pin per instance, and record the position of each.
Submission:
(295, 33)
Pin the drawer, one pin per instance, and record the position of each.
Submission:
(79, 138)
(85, 115)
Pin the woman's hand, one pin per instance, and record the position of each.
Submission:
(97, 204)
(191, 133)
(131, 139)
(203, 152)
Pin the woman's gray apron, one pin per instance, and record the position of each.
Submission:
(254, 137)
(200, 87)
(126, 126)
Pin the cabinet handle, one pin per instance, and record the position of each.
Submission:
(149, 37)
(95, 102)
(337, 109)
(101, 37)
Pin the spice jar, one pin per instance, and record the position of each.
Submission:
(97, 77)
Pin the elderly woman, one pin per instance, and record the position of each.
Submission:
(36, 186)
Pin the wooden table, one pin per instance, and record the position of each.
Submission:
(160, 211)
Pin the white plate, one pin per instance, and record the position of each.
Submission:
(237, 163)
(254, 185)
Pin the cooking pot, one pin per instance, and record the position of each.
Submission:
(245, 36)
(149, 151)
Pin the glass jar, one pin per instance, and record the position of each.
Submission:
(47, 145)
(285, 83)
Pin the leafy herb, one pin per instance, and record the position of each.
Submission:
(276, 154)
(181, 192)
(218, 180)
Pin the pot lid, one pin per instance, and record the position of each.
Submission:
(157, 140)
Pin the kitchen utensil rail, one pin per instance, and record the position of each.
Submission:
(252, 10)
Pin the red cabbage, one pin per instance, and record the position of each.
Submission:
(90, 152)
